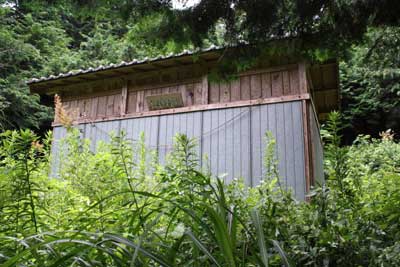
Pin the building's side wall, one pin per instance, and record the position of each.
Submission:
(230, 140)
(317, 159)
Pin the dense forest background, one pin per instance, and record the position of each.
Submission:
(40, 38)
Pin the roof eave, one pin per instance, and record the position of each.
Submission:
(39, 85)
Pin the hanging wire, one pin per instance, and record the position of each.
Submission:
(166, 147)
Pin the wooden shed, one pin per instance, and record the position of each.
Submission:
(169, 94)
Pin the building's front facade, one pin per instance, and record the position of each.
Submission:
(169, 95)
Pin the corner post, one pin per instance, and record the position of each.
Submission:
(303, 85)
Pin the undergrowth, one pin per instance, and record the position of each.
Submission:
(119, 207)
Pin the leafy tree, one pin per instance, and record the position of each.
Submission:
(39, 38)
(327, 24)
(370, 83)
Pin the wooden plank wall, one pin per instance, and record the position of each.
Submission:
(258, 85)
(103, 105)
(325, 88)
(252, 85)
(230, 141)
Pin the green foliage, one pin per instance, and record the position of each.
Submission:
(23, 158)
(315, 28)
(40, 38)
(120, 207)
(336, 156)
(370, 82)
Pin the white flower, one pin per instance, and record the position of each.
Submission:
(178, 231)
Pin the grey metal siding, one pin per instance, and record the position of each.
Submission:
(317, 149)
(58, 134)
(230, 141)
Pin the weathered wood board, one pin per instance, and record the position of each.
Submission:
(124, 98)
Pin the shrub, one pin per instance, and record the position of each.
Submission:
(118, 207)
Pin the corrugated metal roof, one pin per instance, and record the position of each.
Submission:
(122, 64)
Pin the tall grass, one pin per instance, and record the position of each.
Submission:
(120, 207)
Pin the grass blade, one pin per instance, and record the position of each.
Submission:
(281, 253)
(198, 243)
(255, 216)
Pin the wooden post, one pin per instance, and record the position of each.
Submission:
(307, 147)
(124, 97)
(204, 91)
(303, 78)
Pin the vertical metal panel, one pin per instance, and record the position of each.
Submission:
(151, 138)
(280, 141)
(162, 136)
(317, 149)
(133, 128)
(213, 136)
(264, 127)
(170, 125)
(229, 154)
(272, 125)
(220, 133)
(206, 140)
(298, 150)
(226, 136)
(245, 146)
(236, 142)
(90, 133)
(59, 132)
(289, 153)
(196, 125)
(284, 122)
(169, 137)
(232, 138)
(106, 130)
(257, 144)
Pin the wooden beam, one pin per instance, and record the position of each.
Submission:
(84, 79)
(157, 66)
(119, 72)
(164, 84)
(242, 103)
(202, 62)
(142, 67)
(309, 80)
(307, 147)
(103, 75)
(124, 97)
(266, 70)
(177, 62)
(204, 90)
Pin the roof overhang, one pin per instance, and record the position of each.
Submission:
(44, 85)
(324, 77)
